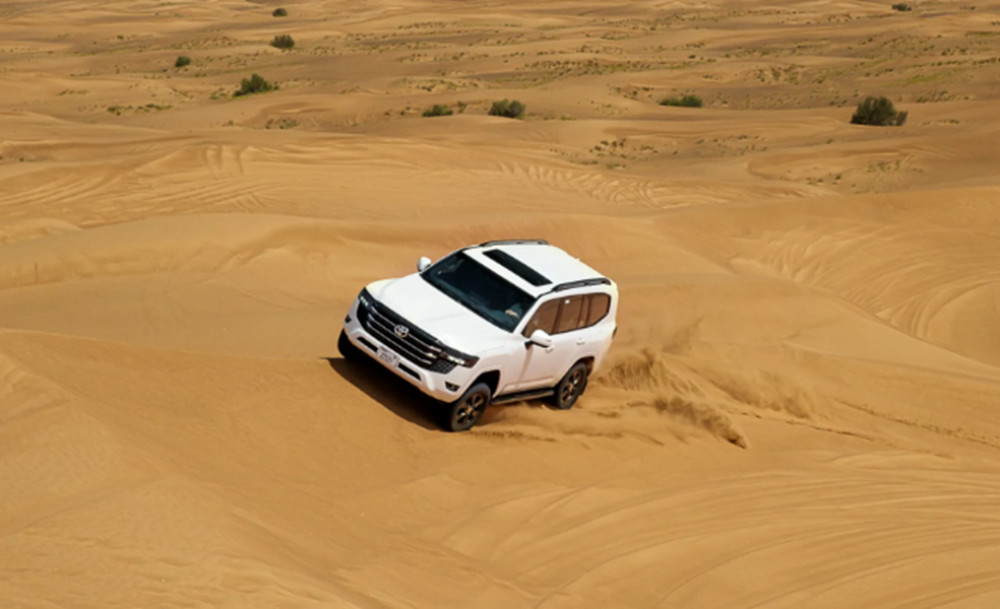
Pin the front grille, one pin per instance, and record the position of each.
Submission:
(417, 345)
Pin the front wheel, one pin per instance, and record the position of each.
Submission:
(571, 387)
(465, 412)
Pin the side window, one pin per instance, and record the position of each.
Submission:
(544, 318)
(599, 306)
(571, 314)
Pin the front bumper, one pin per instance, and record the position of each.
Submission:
(408, 357)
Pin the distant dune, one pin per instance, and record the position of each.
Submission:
(802, 405)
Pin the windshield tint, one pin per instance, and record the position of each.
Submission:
(479, 290)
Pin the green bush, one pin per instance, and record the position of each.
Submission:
(282, 41)
(877, 111)
(438, 110)
(182, 61)
(510, 108)
(254, 84)
(902, 7)
(279, 12)
(686, 101)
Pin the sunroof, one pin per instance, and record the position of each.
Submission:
(517, 267)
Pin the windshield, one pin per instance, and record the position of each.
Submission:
(479, 289)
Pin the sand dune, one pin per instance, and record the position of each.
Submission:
(800, 408)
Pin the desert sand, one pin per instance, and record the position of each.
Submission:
(802, 405)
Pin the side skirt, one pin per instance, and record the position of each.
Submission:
(521, 396)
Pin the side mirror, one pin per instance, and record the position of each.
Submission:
(423, 263)
(541, 338)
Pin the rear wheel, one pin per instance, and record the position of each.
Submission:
(347, 348)
(571, 387)
(465, 412)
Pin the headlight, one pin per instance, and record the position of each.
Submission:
(453, 359)
(365, 298)
(458, 358)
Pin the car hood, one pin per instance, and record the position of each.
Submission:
(437, 314)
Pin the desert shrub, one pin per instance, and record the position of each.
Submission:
(281, 123)
(254, 84)
(877, 111)
(438, 110)
(902, 7)
(182, 61)
(510, 108)
(282, 41)
(686, 101)
(279, 12)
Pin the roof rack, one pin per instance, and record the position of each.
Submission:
(581, 283)
(515, 242)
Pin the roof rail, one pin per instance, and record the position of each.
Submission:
(581, 283)
(515, 242)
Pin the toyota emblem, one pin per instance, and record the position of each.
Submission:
(402, 331)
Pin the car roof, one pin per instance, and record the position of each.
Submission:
(535, 266)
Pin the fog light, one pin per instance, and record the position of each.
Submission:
(452, 387)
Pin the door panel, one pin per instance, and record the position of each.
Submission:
(560, 317)
(543, 367)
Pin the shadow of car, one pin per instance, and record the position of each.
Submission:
(392, 393)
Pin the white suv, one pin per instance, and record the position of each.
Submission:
(497, 322)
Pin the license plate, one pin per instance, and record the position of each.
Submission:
(388, 357)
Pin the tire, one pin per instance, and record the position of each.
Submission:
(465, 412)
(347, 348)
(571, 387)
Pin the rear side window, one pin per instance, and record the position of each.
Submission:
(599, 306)
(570, 313)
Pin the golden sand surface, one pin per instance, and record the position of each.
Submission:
(801, 408)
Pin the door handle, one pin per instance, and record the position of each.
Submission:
(581, 341)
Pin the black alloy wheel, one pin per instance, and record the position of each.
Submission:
(572, 386)
(465, 412)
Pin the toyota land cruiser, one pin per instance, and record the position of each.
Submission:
(497, 322)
